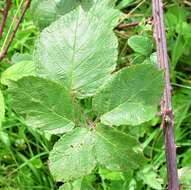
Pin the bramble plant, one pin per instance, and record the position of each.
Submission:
(74, 88)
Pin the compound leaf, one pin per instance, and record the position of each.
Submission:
(131, 97)
(46, 104)
(79, 49)
(72, 156)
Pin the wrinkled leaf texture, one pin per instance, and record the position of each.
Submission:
(45, 104)
(77, 153)
(75, 57)
(79, 50)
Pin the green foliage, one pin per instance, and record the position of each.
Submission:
(76, 154)
(18, 70)
(185, 177)
(2, 107)
(79, 65)
(47, 11)
(47, 104)
(73, 156)
(131, 97)
(66, 51)
(80, 183)
(99, 116)
(141, 44)
(151, 178)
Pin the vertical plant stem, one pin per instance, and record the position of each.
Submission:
(6, 47)
(4, 17)
(166, 105)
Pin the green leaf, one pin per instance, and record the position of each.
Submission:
(77, 153)
(65, 6)
(45, 12)
(137, 58)
(2, 107)
(124, 3)
(186, 158)
(79, 49)
(20, 57)
(76, 185)
(151, 178)
(185, 176)
(17, 71)
(116, 150)
(4, 138)
(141, 44)
(80, 184)
(87, 4)
(131, 97)
(110, 175)
(153, 58)
(45, 104)
(73, 156)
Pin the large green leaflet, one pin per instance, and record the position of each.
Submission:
(2, 107)
(77, 153)
(116, 150)
(73, 155)
(131, 97)
(79, 49)
(45, 12)
(46, 104)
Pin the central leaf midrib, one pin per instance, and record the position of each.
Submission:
(74, 52)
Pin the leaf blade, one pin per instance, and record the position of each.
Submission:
(76, 148)
(121, 98)
(17, 71)
(39, 99)
(66, 51)
(141, 44)
(116, 150)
